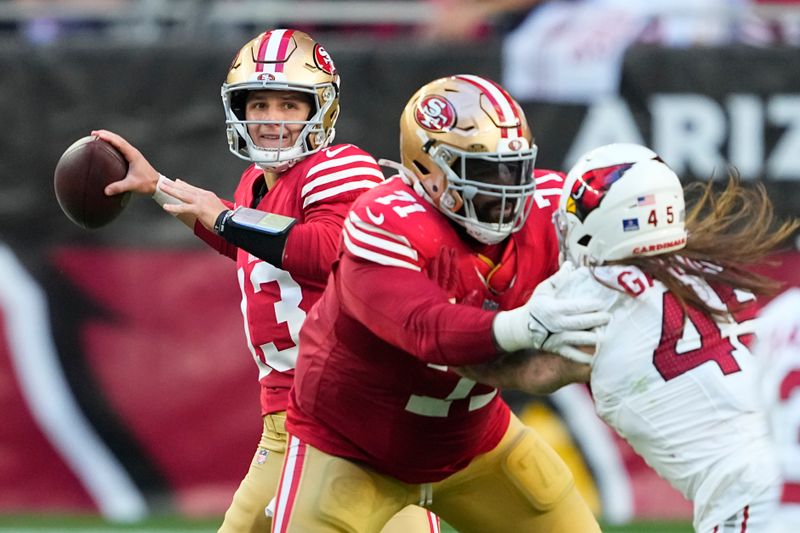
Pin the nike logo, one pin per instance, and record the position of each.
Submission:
(333, 153)
(377, 220)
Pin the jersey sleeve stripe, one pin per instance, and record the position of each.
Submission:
(333, 191)
(340, 175)
(379, 242)
(375, 257)
(366, 226)
(342, 161)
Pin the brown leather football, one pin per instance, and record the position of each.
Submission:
(81, 175)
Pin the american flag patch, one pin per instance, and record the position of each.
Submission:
(647, 199)
(630, 224)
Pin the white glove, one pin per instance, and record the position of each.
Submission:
(549, 323)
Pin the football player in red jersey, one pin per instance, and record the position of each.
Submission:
(281, 101)
(437, 270)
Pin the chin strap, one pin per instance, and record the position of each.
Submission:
(408, 176)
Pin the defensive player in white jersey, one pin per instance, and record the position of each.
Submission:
(672, 372)
(778, 348)
(281, 101)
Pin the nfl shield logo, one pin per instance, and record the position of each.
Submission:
(261, 457)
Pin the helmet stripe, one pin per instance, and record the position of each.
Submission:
(282, 48)
(272, 52)
(501, 101)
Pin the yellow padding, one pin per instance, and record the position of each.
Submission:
(553, 430)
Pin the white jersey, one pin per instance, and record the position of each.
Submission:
(681, 388)
(778, 347)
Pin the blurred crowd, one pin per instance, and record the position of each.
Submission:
(673, 22)
(552, 50)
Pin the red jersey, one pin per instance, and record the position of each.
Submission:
(373, 382)
(317, 191)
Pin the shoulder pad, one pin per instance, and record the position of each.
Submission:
(385, 224)
(339, 173)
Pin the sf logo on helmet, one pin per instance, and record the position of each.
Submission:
(323, 60)
(435, 113)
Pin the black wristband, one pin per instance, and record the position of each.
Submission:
(262, 245)
(222, 219)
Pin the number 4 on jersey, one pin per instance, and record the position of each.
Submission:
(690, 338)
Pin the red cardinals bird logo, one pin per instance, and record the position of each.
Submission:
(589, 189)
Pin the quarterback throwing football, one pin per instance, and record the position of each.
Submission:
(281, 101)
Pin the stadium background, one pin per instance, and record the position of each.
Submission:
(125, 385)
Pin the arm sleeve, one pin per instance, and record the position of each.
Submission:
(215, 241)
(407, 310)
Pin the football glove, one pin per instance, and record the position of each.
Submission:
(551, 323)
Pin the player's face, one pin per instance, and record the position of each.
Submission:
(492, 208)
(276, 106)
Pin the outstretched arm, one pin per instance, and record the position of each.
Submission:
(531, 372)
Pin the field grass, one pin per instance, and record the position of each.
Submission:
(174, 524)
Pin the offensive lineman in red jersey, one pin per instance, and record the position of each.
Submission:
(281, 100)
(377, 417)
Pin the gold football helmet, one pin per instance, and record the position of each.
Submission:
(457, 135)
(282, 60)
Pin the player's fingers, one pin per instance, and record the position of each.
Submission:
(574, 354)
(577, 306)
(123, 185)
(189, 193)
(180, 191)
(115, 140)
(583, 321)
(189, 187)
(577, 338)
(180, 209)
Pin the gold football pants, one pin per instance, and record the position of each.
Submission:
(520, 485)
(246, 512)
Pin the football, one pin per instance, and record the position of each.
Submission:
(81, 175)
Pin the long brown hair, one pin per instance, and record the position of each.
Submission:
(729, 231)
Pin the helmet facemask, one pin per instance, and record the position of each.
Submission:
(487, 193)
(312, 138)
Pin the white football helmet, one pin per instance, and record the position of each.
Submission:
(620, 201)
(457, 132)
(282, 60)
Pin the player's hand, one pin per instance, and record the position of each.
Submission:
(549, 322)
(141, 177)
(204, 205)
(442, 269)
